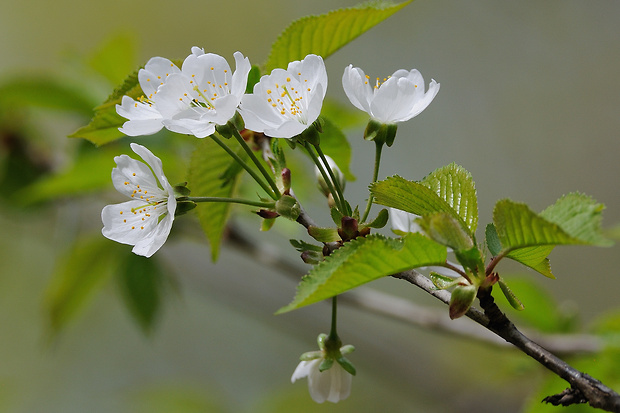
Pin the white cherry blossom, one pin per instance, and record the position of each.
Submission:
(333, 384)
(191, 100)
(286, 102)
(397, 98)
(145, 220)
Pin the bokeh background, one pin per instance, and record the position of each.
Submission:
(529, 104)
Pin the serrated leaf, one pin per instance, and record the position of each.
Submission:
(326, 33)
(510, 296)
(141, 281)
(418, 198)
(88, 264)
(580, 216)
(492, 239)
(455, 185)
(363, 260)
(207, 167)
(518, 226)
(335, 144)
(535, 258)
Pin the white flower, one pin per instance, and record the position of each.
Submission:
(398, 98)
(191, 100)
(286, 102)
(406, 222)
(333, 384)
(137, 222)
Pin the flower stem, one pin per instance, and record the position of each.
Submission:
(333, 334)
(379, 148)
(269, 205)
(332, 176)
(245, 166)
(258, 164)
(328, 181)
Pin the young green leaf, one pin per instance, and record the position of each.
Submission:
(442, 282)
(449, 189)
(492, 239)
(381, 220)
(363, 260)
(208, 165)
(324, 34)
(535, 258)
(518, 226)
(510, 296)
(324, 234)
(461, 299)
(446, 230)
(455, 185)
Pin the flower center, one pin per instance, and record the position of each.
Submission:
(212, 90)
(288, 100)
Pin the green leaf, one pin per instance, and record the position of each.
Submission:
(449, 189)
(442, 282)
(88, 264)
(302, 246)
(446, 230)
(510, 296)
(492, 239)
(363, 260)
(335, 144)
(208, 164)
(572, 220)
(141, 281)
(381, 220)
(455, 185)
(324, 34)
(580, 216)
(535, 258)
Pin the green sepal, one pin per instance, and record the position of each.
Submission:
(326, 364)
(183, 207)
(461, 300)
(181, 190)
(347, 365)
(446, 230)
(311, 355)
(324, 234)
(510, 296)
(288, 207)
(380, 221)
(347, 349)
(311, 135)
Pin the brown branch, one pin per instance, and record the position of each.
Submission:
(584, 389)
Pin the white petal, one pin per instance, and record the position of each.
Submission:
(132, 175)
(155, 163)
(357, 88)
(240, 77)
(154, 74)
(404, 221)
(340, 386)
(129, 222)
(144, 119)
(149, 245)
(302, 370)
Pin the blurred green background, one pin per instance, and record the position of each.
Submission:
(529, 104)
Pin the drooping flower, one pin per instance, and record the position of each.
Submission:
(329, 373)
(398, 98)
(286, 102)
(191, 100)
(332, 385)
(144, 221)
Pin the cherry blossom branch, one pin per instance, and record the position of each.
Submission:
(584, 389)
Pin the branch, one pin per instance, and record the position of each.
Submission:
(584, 389)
